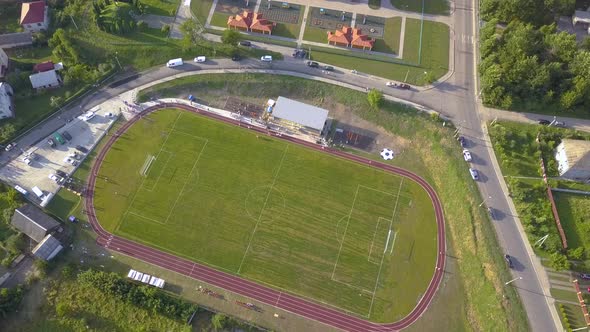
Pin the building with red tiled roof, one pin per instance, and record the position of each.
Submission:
(350, 37)
(43, 66)
(33, 16)
(249, 21)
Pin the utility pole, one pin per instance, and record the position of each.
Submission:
(117, 58)
(480, 204)
(513, 280)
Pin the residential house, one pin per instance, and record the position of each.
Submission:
(249, 21)
(350, 37)
(34, 16)
(45, 75)
(48, 248)
(6, 101)
(33, 222)
(573, 159)
(3, 63)
(17, 39)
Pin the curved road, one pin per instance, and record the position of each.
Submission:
(250, 289)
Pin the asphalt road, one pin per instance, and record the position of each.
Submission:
(455, 98)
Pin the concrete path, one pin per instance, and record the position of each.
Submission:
(257, 7)
(156, 21)
(567, 284)
(303, 25)
(353, 20)
(182, 14)
(492, 113)
(211, 12)
(402, 38)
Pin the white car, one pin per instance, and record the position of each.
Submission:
(200, 59)
(266, 58)
(71, 161)
(474, 174)
(467, 155)
(390, 84)
(26, 160)
(74, 155)
(88, 115)
(55, 178)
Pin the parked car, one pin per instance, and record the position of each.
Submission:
(313, 64)
(266, 58)
(544, 122)
(27, 160)
(508, 260)
(462, 141)
(88, 115)
(81, 149)
(474, 174)
(236, 58)
(298, 53)
(585, 276)
(200, 58)
(61, 173)
(70, 161)
(328, 68)
(245, 43)
(56, 178)
(74, 155)
(51, 142)
(66, 135)
(467, 155)
(559, 124)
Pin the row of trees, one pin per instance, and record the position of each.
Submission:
(528, 63)
(10, 299)
(147, 297)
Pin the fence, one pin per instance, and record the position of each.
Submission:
(553, 206)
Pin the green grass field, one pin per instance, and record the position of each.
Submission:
(391, 34)
(272, 212)
(161, 7)
(436, 7)
(435, 45)
(574, 212)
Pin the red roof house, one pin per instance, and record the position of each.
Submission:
(33, 16)
(350, 37)
(43, 66)
(249, 21)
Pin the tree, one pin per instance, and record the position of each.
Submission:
(559, 262)
(230, 37)
(10, 299)
(577, 254)
(375, 98)
(429, 77)
(218, 321)
(63, 48)
(191, 31)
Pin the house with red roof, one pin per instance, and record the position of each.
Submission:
(34, 16)
(249, 21)
(43, 66)
(350, 37)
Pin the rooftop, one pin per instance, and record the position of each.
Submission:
(33, 222)
(32, 12)
(301, 113)
(47, 248)
(577, 153)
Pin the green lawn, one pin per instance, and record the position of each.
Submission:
(161, 7)
(435, 45)
(436, 7)
(200, 9)
(271, 211)
(574, 212)
(374, 4)
(314, 34)
(574, 314)
(9, 18)
(561, 294)
(219, 19)
(391, 34)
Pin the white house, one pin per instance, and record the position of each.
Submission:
(6, 101)
(46, 79)
(3, 63)
(573, 159)
(34, 16)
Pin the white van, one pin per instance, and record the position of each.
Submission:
(174, 63)
(21, 190)
(38, 192)
(200, 59)
(266, 58)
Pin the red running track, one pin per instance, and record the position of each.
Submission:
(304, 307)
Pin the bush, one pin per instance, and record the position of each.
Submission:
(141, 25)
(375, 98)
(166, 29)
(559, 262)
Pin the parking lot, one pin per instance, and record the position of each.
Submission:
(82, 134)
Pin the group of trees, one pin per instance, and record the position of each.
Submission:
(115, 17)
(142, 296)
(528, 64)
(10, 299)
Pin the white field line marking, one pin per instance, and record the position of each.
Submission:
(377, 190)
(187, 180)
(393, 242)
(345, 230)
(353, 286)
(161, 172)
(383, 257)
(143, 180)
(274, 180)
(373, 241)
(387, 242)
(147, 218)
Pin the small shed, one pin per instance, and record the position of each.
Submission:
(573, 159)
(33, 222)
(48, 248)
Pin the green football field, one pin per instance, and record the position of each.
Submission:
(318, 226)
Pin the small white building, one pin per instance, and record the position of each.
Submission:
(34, 16)
(573, 159)
(298, 115)
(6, 101)
(3, 63)
(46, 79)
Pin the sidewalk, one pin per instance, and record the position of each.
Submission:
(532, 118)
(182, 14)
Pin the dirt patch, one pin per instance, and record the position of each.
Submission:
(382, 138)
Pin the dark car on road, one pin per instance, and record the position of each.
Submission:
(313, 64)
(61, 173)
(508, 260)
(544, 122)
(462, 141)
(235, 58)
(81, 149)
(245, 43)
(328, 68)
(585, 276)
(67, 135)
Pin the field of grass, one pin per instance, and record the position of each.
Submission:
(574, 314)
(161, 7)
(219, 19)
(390, 42)
(200, 9)
(272, 212)
(435, 45)
(436, 7)
(314, 34)
(574, 212)
(9, 18)
(473, 294)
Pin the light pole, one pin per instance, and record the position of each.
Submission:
(513, 280)
(116, 58)
(480, 204)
